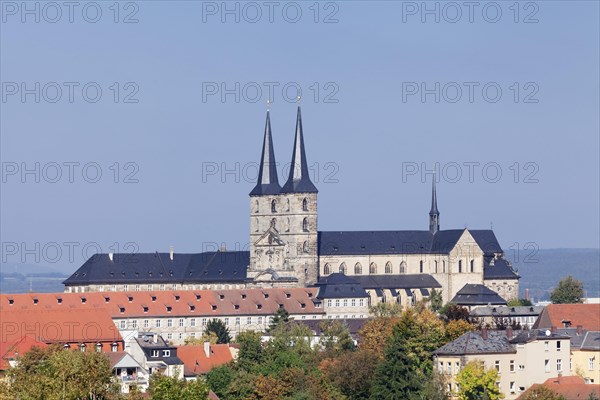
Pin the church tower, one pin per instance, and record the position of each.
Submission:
(299, 196)
(434, 214)
(283, 221)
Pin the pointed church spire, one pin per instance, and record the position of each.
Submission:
(299, 179)
(267, 183)
(434, 214)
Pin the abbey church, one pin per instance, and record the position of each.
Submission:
(287, 250)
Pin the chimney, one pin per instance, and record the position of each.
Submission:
(509, 332)
(484, 333)
(552, 329)
(527, 294)
(110, 256)
(155, 338)
(207, 349)
(171, 252)
(579, 330)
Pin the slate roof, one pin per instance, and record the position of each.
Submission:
(336, 286)
(216, 266)
(475, 294)
(267, 182)
(585, 340)
(398, 281)
(486, 239)
(518, 311)
(526, 336)
(299, 179)
(498, 269)
(387, 242)
(474, 343)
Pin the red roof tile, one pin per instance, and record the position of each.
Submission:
(195, 360)
(571, 387)
(11, 350)
(67, 325)
(557, 315)
(190, 303)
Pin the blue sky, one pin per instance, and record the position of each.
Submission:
(366, 128)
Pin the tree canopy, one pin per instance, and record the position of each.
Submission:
(219, 329)
(569, 290)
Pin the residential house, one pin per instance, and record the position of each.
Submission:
(200, 359)
(503, 316)
(569, 387)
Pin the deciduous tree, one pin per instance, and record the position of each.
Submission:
(568, 291)
(476, 383)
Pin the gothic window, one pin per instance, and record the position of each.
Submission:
(444, 266)
(358, 269)
(287, 205)
(459, 265)
(326, 269)
(388, 268)
(305, 205)
(343, 268)
(421, 266)
(305, 224)
(436, 266)
(273, 223)
(373, 268)
(287, 226)
(472, 265)
(305, 247)
(273, 206)
(256, 206)
(402, 267)
(256, 224)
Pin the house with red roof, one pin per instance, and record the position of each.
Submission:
(200, 359)
(570, 387)
(11, 350)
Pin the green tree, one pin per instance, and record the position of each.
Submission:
(398, 376)
(280, 317)
(386, 310)
(351, 372)
(476, 383)
(164, 387)
(220, 330)
(435, 300)
(453, 312)
(55, 373)
(519, 302)
(251, 352)
(568, 291)
(335, 337)
(219, 379)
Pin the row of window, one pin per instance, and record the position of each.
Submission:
(305, 226)
(151, 287)
(345, 303)
(373, 270)
(274, 205)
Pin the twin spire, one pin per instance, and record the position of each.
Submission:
(298, 180)
(434, 214)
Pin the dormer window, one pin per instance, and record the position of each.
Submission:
(221, 296)
(288, 295)
(243, 295)
(166, 353)
(259, 306)
(176, 297)
(155, 353)
(145, 308)
(121, 309)
(198, 297)
(129, 298)
(236, 306)
(106, 299)
(302, 305)
(11, 301)
(281, 306)
(59, 300)
(214, 308)
(266, 295)
(83, 300)
(35, 300)
(169, 308)
(192, 307)
(153, 298)
(310, 295)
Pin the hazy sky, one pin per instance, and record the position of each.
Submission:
(387, 90)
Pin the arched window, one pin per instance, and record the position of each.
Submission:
(357, 269)
(256, 206)
(342, 268)
(273, 206)
(326, 269)
(255, 224)
(82, 347)
(373, 268)
(305, 247)
(388, 268)
(98, 347)
(421, 266)
(305, 224)
(305, 205)
(472, 265)
(402, 267)
(444, 266)
(436, 266)
(459, 265)
(287, 226)
(273, 223)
